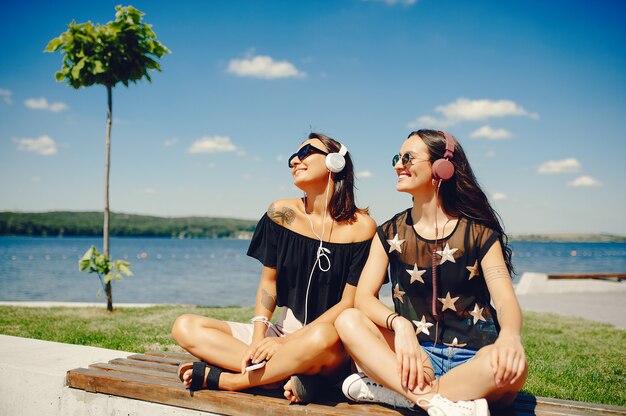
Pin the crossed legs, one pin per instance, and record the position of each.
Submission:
(316, 350)
(372, 348)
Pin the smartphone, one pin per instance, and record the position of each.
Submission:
(252, 367)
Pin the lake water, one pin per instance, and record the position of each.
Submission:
(211, 272)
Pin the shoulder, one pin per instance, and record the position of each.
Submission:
(283, 211)
(363, 228)
(399, 218)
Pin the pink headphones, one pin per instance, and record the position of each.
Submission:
(442, 168)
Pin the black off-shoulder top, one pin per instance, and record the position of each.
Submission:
(294, 255)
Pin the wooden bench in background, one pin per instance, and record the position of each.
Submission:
(602, 276)
(152, 377)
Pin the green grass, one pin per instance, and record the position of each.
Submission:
(570, 358)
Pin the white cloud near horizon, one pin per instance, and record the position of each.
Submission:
(464, 109)
(262, 66)
(364, 174)
(6, 96)
(43, 145)
(559, 166)
(213, 144)
(498, 196)
(490, 133)
(584, 181)
(42, 104)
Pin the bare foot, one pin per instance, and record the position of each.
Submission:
(289, 393)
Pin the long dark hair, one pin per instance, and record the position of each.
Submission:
(461, 195)
(342, 204)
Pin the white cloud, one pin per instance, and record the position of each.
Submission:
(43, 104)
(213, 144)
(464, 109)
(170, 142)
(35, 179)
(6, 96)
(148, 191)
(265, 67)
(560, 166)
(585, 181)
(280, 158)
(43, 145)
(364, 174)
(489, 132)
(490, 154)
(498, 196)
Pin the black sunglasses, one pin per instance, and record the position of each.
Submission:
(304, 152)
(405, 159)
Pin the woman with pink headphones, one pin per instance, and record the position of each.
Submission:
(312, 250)
(452, 344)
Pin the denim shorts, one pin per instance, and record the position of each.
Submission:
(444, 358)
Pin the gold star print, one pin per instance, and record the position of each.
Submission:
(448, 302)
(447, 254)
(397, 293)
(416, 274)
(422, 326)
(395, 244)
(455, 343)
(477, 313)
(473, 270)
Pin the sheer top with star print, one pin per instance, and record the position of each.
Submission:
(293, 255)
(466, 317)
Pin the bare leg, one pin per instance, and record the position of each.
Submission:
(209, 339)
(316, 350)
(372, 348)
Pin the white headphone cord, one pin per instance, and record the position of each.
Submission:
(322, 252)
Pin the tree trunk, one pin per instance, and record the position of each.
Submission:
(107, 161)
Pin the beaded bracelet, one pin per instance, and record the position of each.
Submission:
(393, 316)
(260, 318)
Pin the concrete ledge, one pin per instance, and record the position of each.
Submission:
(32, 382)
(531, 283)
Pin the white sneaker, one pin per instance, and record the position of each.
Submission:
(360, 388)
(440, 406)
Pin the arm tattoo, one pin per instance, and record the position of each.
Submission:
(285, 215)
(496, 272)
(268, 301)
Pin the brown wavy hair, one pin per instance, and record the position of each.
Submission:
(342, 203)
(461, 195)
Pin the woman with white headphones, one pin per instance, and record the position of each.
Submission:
(312, 250)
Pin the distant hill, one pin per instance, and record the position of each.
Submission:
(570, 238)
(66, 223)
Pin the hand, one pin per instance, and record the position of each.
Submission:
(260, 351)
(508, 359)
(410, 366)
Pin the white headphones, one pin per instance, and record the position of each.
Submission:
(335, 162)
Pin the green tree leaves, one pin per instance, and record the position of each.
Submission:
(123, 50)
(94, 262)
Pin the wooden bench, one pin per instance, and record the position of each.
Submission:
(601, 276)
(152, 377)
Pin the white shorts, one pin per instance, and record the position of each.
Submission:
(287, 323)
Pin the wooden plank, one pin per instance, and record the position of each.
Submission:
(152, 377)
(146, 372)
(223, 402)
(155, 359)
(603, 276)
(144, 364)
(182, 356)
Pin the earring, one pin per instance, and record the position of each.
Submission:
(433, 182)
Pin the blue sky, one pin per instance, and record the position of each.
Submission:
(535, 91)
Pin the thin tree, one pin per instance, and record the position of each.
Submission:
(123, 50)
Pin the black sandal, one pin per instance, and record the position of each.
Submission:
(197, 377)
